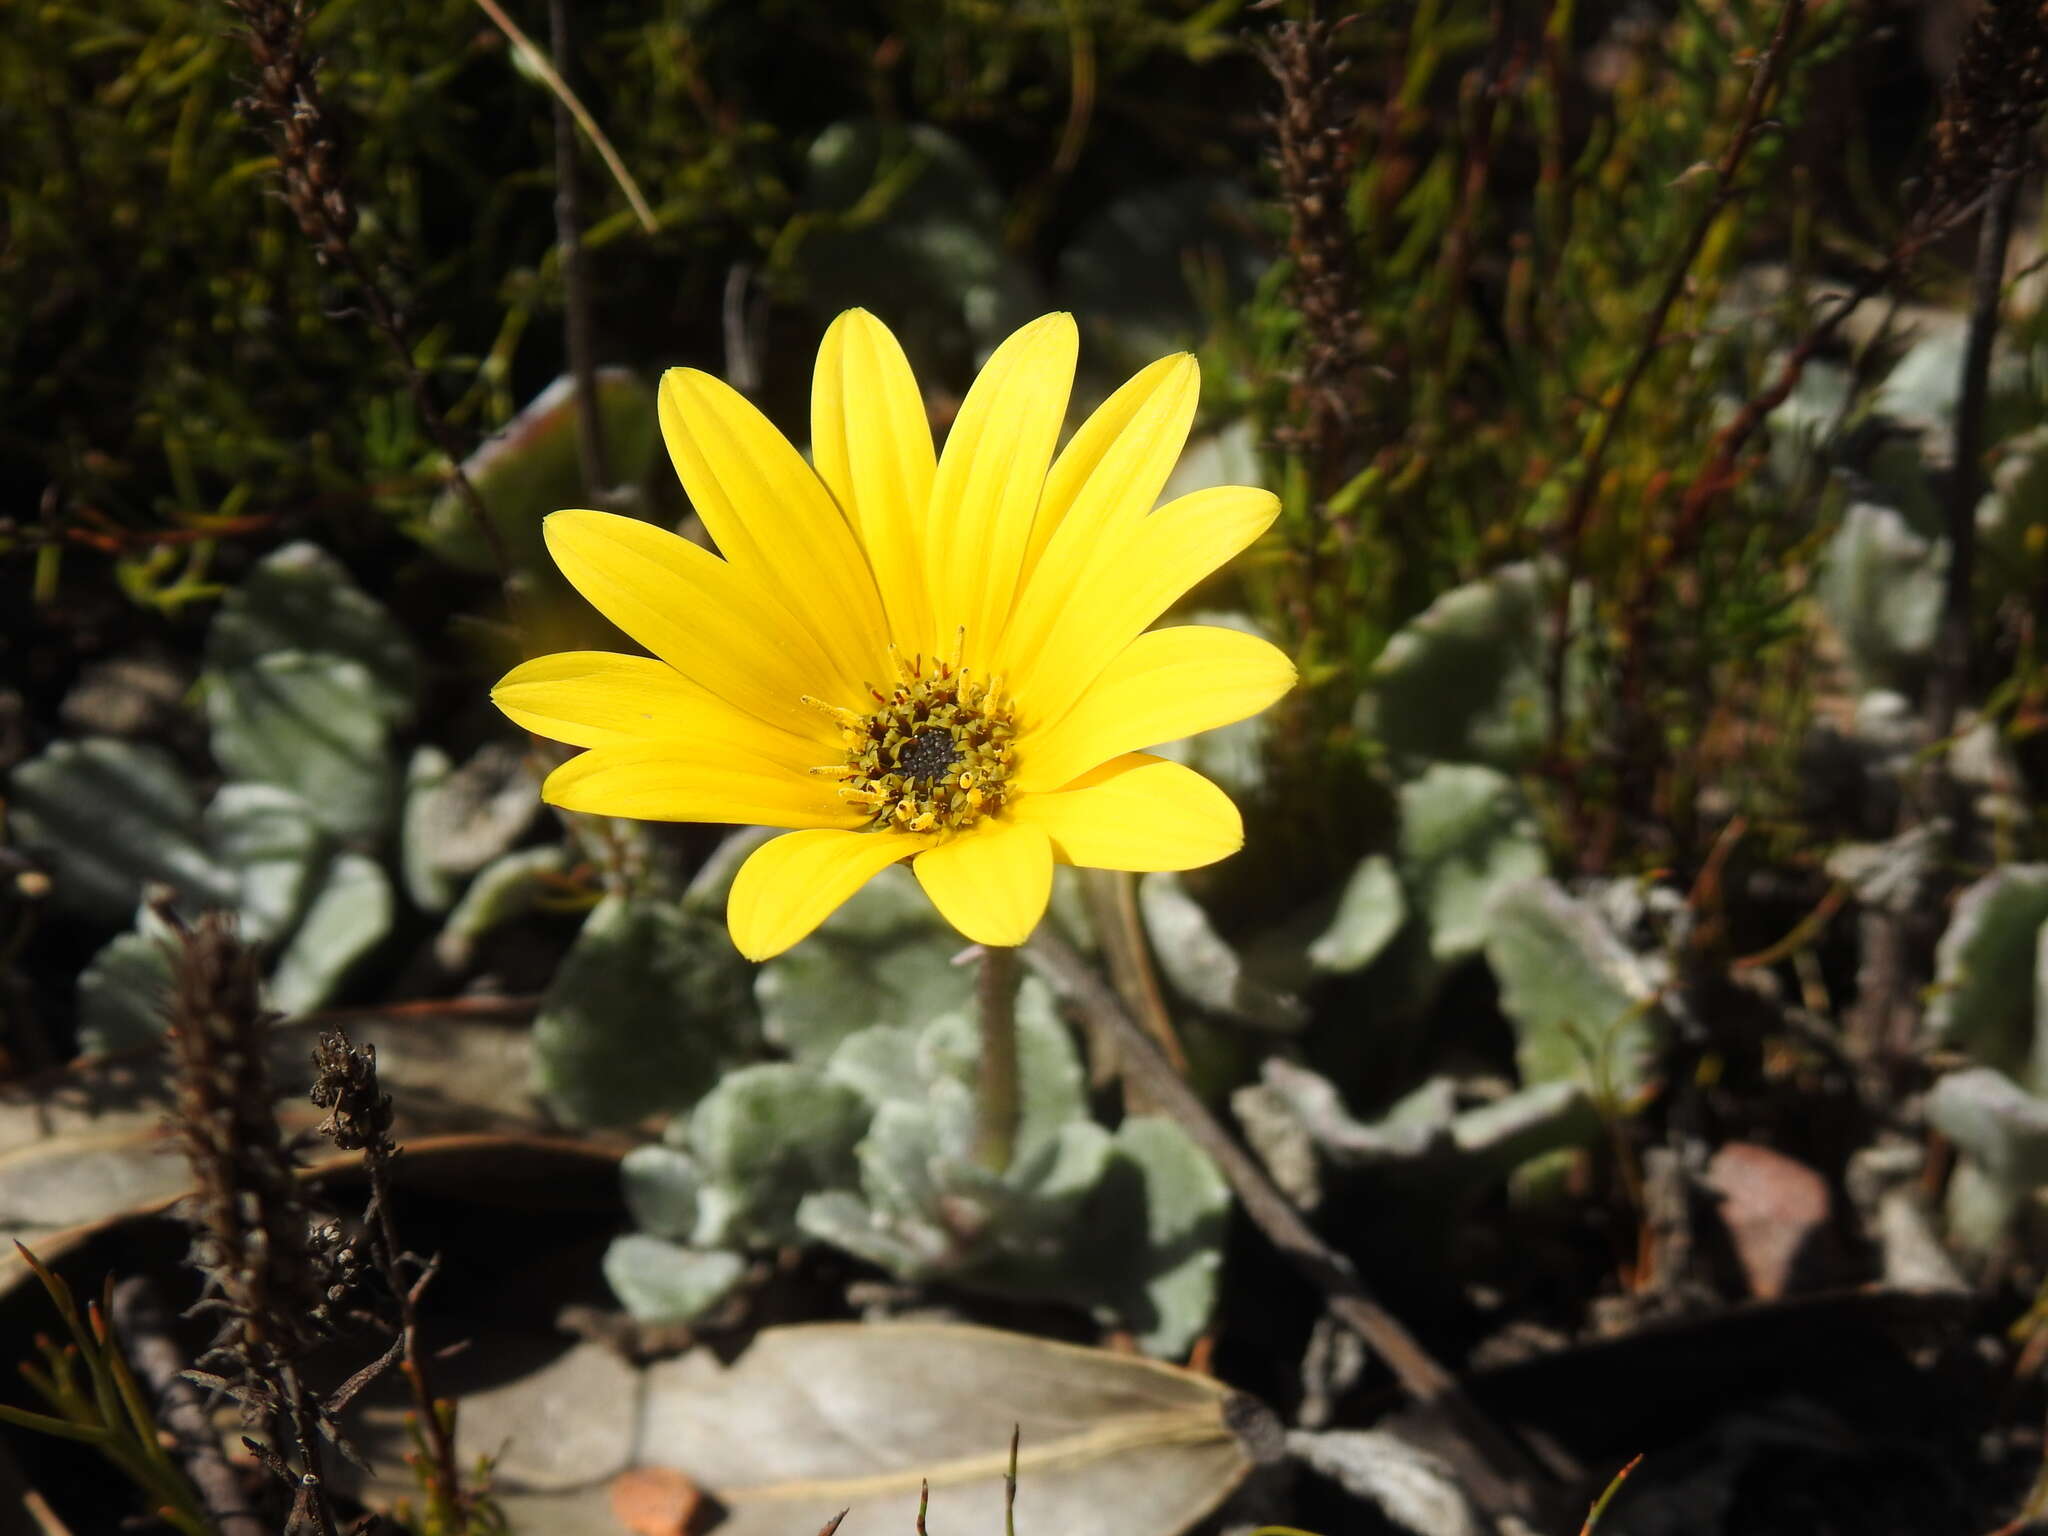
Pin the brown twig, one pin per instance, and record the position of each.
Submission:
(507, 1010)
(1952, 645)
(576, 328)
(142, 1324)
(1501, 1477)
(1113, 908)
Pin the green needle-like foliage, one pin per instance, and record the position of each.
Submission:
(108, 1409)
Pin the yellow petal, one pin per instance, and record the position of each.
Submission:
(773, 519)
(1061, 643)
(700, 616)
(664, 781)
(600, 698)
(1113, 468)
(872, 443)
(985, 495)
(1138, 812)
(1167, 684)
(991, 882)
(790, 885)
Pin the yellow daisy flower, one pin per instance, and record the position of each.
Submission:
(909, 655)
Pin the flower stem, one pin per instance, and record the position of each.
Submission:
(998, 1104)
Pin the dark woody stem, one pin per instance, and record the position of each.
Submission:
(997, 1102)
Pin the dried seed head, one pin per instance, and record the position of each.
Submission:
(1991, 108)
(287, 100)
(345, 1085)
(252, 1229)
(1313, 147)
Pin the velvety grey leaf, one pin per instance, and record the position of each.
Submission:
(301, 599)
(110, 816)
(879, 1064)
(1922, 388)
(1463, 681)
(1577, 998)
(2013, 519)
(842, 1220)
(269, 837)
(1161, 1213)
(315, 724)
(663, 1282)
(505, 889)
(1995, 1122)
(1984, 969)
(121, 994)
(1466, 834)
(1275, 1132)
(1416, 1125)
(648, 1008)
(885, 957)
(1369, 914)
(1203, 967)
(661, 1186)
(1892, 873)
(457, 820)
(2001, 1131)
(1529, 1123)
(901, 1155)
(1802, 424)
(765, 1137)
(349, 915)
(1881, 585)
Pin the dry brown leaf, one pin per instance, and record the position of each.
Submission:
(814, 1419)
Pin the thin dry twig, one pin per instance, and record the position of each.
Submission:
(1952, 645)
(142, 1324)
(1113, 905)
(1501, 1477)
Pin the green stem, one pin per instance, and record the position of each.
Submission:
(998, 1105)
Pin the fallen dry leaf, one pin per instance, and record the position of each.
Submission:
(654, 1501)
(1776, 1212)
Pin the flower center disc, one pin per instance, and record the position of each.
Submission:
(934, 755)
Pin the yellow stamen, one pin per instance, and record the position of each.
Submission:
(933, 755)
